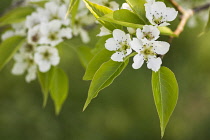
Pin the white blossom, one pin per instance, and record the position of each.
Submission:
(56, 11)
(120, 44)
(104, 31)
(46, 56)
(24, 62)
(158, 14)
(36, 18)
(148, 51)
(53, 34)
(148, 32)
(126, 6)
(7, 34)
(34, 35)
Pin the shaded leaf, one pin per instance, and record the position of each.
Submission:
(85, 55)
(96, 62)
(104, 76)
(59, 88)
(8, 48)
(165, 92)
(16, 15)
(45, 81)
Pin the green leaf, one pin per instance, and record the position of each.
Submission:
(138, 7)
(123, 17)
(17, 15)
(104, 76)
(208, 24)
(45, 81)
(165, 92)
(96, 62)
(59, 88)
(99, 11)
(8, 48)
(166, 31)
(39, 3)
(85, 55)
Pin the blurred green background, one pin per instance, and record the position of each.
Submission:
(123, 111)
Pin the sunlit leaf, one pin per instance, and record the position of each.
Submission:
(8, 48)
(99, 11)
(72, 10)
(59, 88)
(138, 7)
(165, 92)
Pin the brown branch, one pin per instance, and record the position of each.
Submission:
(177, 6)
(185, 15)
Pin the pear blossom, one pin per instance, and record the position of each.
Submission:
(126, 6)
(148, 32)
(34, 35)
(45, 56)
(7, 34)
(36, 18)
(24, 62)
(120, 44)
(56, 11)
(53, 34)
(158, 14)
(148, 51)
(131, 30)
(104, 31)
(82, 20)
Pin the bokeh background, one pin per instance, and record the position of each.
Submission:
(123, 111)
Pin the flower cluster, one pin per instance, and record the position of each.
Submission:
(44, 29)
(145, 43)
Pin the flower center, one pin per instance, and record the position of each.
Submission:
(148, 35)
(53, 37)
(123, 47)
(147, 51)
(158, 21)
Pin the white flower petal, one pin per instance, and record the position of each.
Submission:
(139, 34)
(44, 66)
(138, 61)
(171, 14)
(7, 34)
(112, 45)
(126, 6)
(152, 30)
(84, 36)
(104, 31)
(136, 45)
(161, 47)
(119, 35)
(154, 63)
(118, 56)
(19, 68)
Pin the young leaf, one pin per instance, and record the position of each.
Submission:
(39, 3)
(96, 62)
(59, 88)
(8, 48)
(45, 81)
(165, 92)
(166, 31)
(99, 11)
(16, 15)
(123, 17)
(104, 76)
(138, 7)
